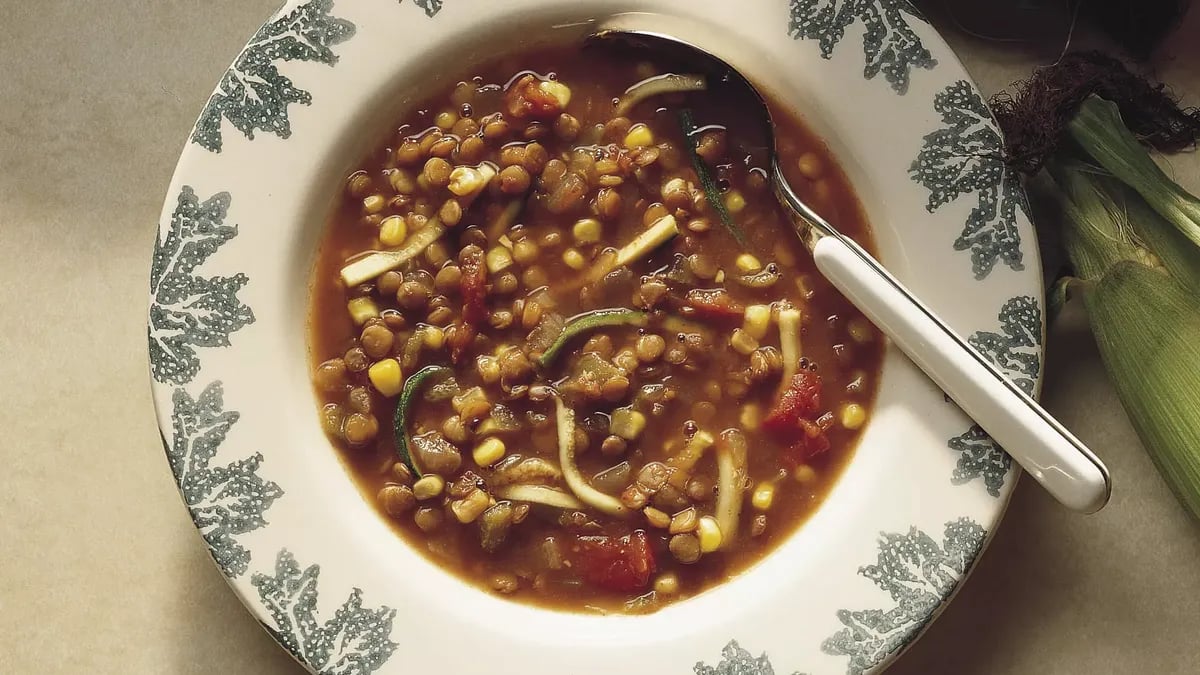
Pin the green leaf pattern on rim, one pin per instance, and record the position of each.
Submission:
(890, 46)
(1016, 351)
(188, 311)
(356, 641)
(431, 7)
(737, 661)
(225, 501)
(253, 94)
(966, 157)
(919, 574)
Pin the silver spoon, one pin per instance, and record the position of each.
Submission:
(1041, 445)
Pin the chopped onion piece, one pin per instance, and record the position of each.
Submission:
(527, 470)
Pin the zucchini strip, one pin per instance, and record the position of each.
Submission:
(789, 342)
(663, 230)
(574, 478)
(711, 193)
(539, 494)
(731, 474)
(408, 396)
(658, 85)
(584, 323)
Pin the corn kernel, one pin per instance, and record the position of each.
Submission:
(428, 486)
(853, 415)
(734, 201)
(362, 309)
(757, 321)
(574, 259)
(392, 231)
(859, 330)
(374, 204)
(750, 417)
(445, 120)
(490, 451)
(667, 584)
(639, 136)
(742, 342)
(804, 474)
(498, 259)
(720, 278)
(586, 231)
(709, 533)
(748, 264)
(627, 423)
(489, 369)
(386, 377)
(433, 337)
(560, 91)
(466, 181)
(764, 495)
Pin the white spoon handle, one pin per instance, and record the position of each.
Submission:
(1039, 443)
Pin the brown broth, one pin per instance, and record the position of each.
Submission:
(594, 82)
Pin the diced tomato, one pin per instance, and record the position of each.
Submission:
(460, 336)
(473, 286)
(616, 563)
(714, 303)
(801, 400)
(813, 442)
(526, 99)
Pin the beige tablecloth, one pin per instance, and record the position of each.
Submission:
(100, 568)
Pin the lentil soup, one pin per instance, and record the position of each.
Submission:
(567, 342)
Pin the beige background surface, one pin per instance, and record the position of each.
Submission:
(100, 569)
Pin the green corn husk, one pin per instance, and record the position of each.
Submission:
(1133, 236)
(1098, 129)
(1145, 326)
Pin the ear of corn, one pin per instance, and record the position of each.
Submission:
(1133, 237)
(1146, 325)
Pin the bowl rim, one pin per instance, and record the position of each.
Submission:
(195, 229)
